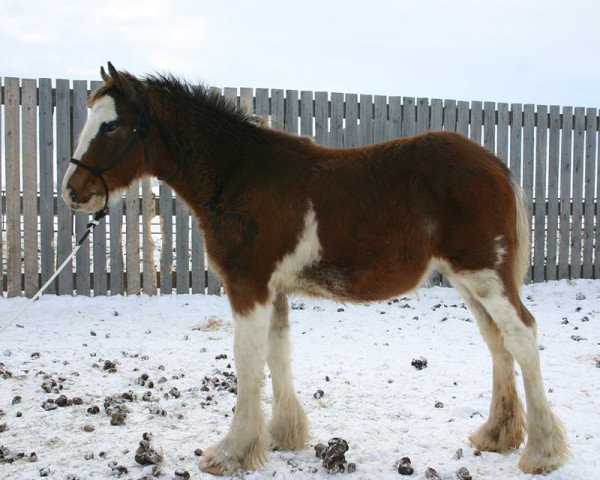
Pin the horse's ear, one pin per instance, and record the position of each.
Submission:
(112, 70)
(104, 75)
(124, 82)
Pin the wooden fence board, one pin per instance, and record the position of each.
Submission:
(365, 128)
(82, 259)
(148, 213)
(502, 133)
(476, 122)
(277, 109)
(291, 111)
(553, 193)
(63, 156)
(590, 188)
(489, 126)
(262, 102)
(528, 149)
(380, 118)
(516, 140)
(247, 99)
(449, 121)
(577, 193)
(337, 119)
(351, 130)
(117, 264)
(306, 113)
(13, 185)
(566, 152)
(462, 117)
(166, 229)
(395, 121)
(539, 243)
(182, 248)
(528, 160)
(132, 247)
(422, 115)
(230, 93)
(409, 116)
(198, 263)
(46, 149)
(437, 115)
(99, 251)
(30, 169)
(321, 118)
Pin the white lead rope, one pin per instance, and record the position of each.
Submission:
(90, 228)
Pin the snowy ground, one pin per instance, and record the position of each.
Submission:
(374, 398)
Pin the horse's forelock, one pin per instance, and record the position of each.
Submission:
(100, 92)
(126, 85)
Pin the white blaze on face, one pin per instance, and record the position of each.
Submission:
(102, 111)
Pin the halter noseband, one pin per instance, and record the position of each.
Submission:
(141, 133)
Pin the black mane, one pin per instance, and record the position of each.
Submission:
(198, 96)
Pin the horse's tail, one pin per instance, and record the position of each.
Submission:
(522, 235)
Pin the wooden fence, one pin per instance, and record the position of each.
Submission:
(149, 242)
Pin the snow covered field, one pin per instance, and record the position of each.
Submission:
(373, 398)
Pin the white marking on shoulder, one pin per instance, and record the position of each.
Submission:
(103, 110)
(307, 252)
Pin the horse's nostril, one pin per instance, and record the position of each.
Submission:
(73, 196)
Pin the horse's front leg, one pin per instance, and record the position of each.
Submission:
(245, 445)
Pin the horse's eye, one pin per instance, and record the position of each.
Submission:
(109, 127)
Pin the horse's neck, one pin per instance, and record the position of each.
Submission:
(208, 164)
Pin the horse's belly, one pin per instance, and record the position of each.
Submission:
(351, 282)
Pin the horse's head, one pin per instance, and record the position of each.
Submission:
(110, 152)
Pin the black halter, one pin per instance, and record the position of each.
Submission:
(141, 132)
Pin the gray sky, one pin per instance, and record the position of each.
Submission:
(528, 51)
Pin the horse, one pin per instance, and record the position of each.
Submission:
(281, 214)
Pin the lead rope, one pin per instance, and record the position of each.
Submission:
(94, 222)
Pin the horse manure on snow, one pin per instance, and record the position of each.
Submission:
(334, 456)
(419, 363)
(405, 467)
(146, 454)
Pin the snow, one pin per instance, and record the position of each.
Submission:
(374, 399)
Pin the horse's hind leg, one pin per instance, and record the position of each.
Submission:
(546, 447)
(288, 427)
(505, 427)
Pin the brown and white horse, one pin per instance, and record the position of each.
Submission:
(281, 214)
